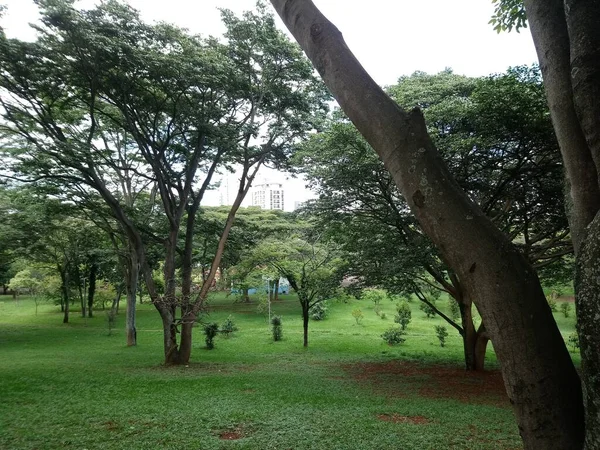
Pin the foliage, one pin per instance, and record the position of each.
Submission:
(277, 328)
(403, 314)
(442, 334)
(552, 304)
(428, 310)
(210, 331)
(508, 14)
(318, 311)
(573, 341)
(374, 295)
(454, 308)
(228, 327)
(393, 336)
(383, 316)
(358, 315)
(565, 308)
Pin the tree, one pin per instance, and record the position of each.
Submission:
(313, 269)
(187, 107)
(539, 375)
(496, 136)
(567, 39)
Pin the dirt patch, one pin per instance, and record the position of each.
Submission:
(230, 435)
(396, 418)
(401, 379)
(566, 298)
(234, 433)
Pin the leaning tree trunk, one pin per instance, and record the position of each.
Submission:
(481, 343)
(538, 373)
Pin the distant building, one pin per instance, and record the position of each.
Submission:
(268, 196)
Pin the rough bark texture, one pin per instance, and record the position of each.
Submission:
(305, 322)
(583, 22)
(551, 38)
(567, 40)
(587, 292)
(539, 375)
(131, 289)
(92, 289)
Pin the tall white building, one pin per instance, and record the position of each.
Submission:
(268, 195)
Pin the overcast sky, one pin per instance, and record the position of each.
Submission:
(390, 37)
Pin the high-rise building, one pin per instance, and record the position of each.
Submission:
(268, 195)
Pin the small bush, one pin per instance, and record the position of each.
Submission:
(277, 330)
(358, 316)
(565, 308)
(374, 295)
(318, 311)
(210, 330)
(454, 308)
(383, 316)
(441, 334)
(552, 304)
(428, 310)
(377, 310)
(404, 314)
(573, 341)
(393, 336)
(228, 327)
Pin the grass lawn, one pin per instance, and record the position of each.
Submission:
(75, 387)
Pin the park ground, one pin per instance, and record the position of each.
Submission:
(76, 386)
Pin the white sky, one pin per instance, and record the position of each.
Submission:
(390, 37)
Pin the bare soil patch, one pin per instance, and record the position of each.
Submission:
(232, 434)
(401, 378)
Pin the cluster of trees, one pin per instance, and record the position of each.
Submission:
(131, 122)
(114, 129)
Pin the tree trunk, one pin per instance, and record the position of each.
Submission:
(481, 347)
(567, 40)
(245, 295)
(276, 289)
(131, 290)
(185, 346)
(92, 289)
(64, 276)
(469, 336)
(172, 355)
(538, 373)
(305, 322)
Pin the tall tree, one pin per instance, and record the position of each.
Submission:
(496, 135)
(567, 40)
(539, 375)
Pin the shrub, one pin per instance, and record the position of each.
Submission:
(552, 304)
(403, 315)
(210, 330)
(441, 334)
(377, 309)
(318, 311)
(383, 316)
(393, 336)
(573, 341)
(428, 310)
(374, 295)
(228, 326)
(277, 331)
(565, 308)
(358, 315)
(454, 308)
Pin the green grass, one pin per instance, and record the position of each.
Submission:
(75, 387)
